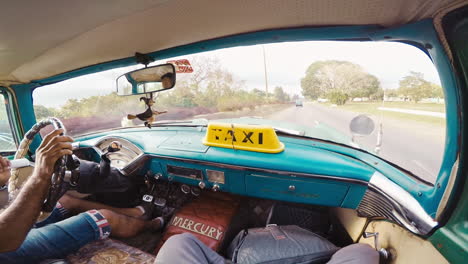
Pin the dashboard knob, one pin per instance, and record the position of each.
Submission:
(195, 191)
(157, 176)
(215, 188)
(201, 185)
(185, 189)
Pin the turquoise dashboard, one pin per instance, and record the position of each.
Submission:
(302, 173)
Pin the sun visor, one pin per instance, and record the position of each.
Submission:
(258, 138)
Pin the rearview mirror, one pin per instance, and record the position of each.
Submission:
(147, 80)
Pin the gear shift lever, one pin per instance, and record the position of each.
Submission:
(104, 165)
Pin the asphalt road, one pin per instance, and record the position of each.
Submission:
(415, 146)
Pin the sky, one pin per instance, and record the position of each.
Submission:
(286, 65)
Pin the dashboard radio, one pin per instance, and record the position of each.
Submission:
(185, 172)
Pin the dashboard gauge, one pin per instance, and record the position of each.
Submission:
(195, 191)
(215, 176)
(118, 163)
(185, 189)
(124, 152)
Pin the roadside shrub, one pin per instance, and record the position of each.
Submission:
(337, 97)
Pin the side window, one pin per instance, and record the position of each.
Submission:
(7, 141)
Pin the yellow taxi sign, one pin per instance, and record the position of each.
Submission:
(257, 138)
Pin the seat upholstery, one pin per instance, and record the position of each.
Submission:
(109, 251)
(280, 244)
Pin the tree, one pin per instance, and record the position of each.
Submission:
(331, 78)
(414, 86)
(338, 97)
(43, 112)
(377, 96)
(280, 95)
(391, 93)
(437, 91)
(259, 92)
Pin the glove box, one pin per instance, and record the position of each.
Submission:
(295, 189)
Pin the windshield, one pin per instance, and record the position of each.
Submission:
(312, 88)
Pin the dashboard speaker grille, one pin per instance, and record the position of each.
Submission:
(375, 205)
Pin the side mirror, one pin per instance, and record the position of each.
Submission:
(148, 80)
(361, 125)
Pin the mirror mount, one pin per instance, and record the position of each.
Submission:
(143, 59)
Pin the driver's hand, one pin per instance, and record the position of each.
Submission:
(4, 170)
(51, 149)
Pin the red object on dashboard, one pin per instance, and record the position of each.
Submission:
(208, 218)
(182, 66)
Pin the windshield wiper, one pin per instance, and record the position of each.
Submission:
(185, 123)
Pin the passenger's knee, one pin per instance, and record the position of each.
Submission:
(180, 240)
(355, 253)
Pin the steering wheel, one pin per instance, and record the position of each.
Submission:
(57, 187)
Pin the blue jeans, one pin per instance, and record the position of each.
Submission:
(55, 237)
(187, 249)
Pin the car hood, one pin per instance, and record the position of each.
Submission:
(318, 130)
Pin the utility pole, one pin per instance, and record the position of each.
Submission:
(265, 69)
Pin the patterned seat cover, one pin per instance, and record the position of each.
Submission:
(208, 218)
(110, 251)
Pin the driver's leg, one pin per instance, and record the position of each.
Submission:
(76, 206)
(58, 214)
(125, 226)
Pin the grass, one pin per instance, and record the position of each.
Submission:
(372, 109)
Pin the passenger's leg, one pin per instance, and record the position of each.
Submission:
(76, 206)
(186, 248)
(355, 254)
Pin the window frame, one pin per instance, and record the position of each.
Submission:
(12, 121)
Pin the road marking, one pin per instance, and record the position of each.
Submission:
(414, 112)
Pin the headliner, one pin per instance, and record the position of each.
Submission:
(44, 38)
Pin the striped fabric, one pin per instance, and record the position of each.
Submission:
(101, 222)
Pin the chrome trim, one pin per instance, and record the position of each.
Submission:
(142, 159)
(209, 175)
(386, 199)
(448, 189)
(127, 146)
(185, 176)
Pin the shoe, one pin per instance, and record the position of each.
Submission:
(146, 208)
(167, 216)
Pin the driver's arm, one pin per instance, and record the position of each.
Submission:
(19, 217)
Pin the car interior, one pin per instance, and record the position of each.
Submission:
(269, 195)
